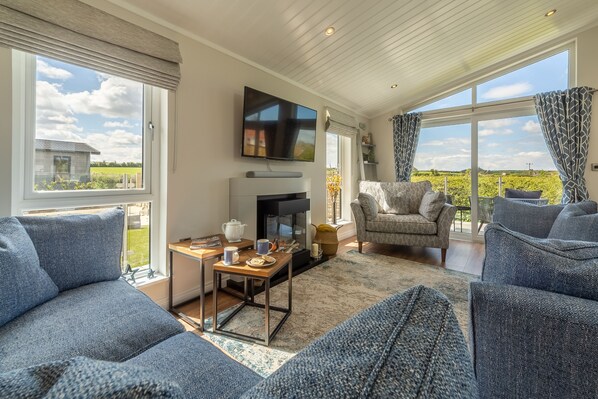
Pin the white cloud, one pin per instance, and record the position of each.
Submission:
(111, 124)
(486, 132)
(427, 161)
(532, 127)
(116, 98)
(116, 145)
(497, 123)
(449, 141)
(507, 91)
(54, 118)
(52, 72)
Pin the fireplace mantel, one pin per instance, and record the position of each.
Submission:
(245, 191)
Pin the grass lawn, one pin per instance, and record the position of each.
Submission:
(115, 170)
(138, 247)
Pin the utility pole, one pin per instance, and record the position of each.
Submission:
(529, 167)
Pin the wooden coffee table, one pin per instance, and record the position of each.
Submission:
(200, 256)
(258, 273)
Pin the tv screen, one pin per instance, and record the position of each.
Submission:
(274, 128)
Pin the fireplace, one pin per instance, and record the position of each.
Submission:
(282, 219)
(275, 208)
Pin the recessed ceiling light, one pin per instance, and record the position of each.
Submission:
(550, 13)
(394, 86)
(329, 31)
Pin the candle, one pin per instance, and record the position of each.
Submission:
(314, 250)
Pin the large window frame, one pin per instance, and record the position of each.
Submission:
(479, 112)
(26, 199)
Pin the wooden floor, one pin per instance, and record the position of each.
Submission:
(463, 256)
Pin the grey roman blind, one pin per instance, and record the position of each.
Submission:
(340, 123)
(74, 32)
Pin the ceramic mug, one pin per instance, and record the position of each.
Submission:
(231, 255)
(264, 246)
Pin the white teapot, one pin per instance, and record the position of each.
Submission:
(233, 230)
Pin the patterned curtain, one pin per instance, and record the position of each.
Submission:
(405, 132)
(565, 118)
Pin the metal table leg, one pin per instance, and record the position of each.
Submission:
(170, 278)
(202, 294)
(215, 302)
(267, 310)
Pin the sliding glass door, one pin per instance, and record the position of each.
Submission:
(513, 160)
(443, 157)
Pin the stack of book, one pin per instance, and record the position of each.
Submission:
(205, 242)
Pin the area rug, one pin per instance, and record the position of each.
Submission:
(329, 294)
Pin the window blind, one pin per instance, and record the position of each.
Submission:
(338, 122)
(74, 32)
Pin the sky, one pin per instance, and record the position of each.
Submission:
(503, 144)
(78, 104)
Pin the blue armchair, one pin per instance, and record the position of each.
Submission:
(534, 317)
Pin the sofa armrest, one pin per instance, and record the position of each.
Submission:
(359, 219)
(445, 220)
(529, 343)
(566, 267)
(417, 350)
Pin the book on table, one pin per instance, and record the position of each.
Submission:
(205, 242)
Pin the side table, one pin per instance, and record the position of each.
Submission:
(260, 273)
(200, 256)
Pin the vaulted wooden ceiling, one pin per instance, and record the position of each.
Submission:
(419, 45)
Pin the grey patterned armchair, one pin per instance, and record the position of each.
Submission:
(412, 229)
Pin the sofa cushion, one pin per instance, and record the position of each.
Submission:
(530, 219)
(431, 205)
(78, 249)
(573, 223)
(533, 344)
(566, 267)
(407, 224)
(407, 346)
(107, 321)
(399, 204)
(23, 283)
(513, 193)
(81, 377)
(385, 191)
(216, 376)
(369, 205)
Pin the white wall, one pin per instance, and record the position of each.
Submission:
(5, 132)
(587, 75)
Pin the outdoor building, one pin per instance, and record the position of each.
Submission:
(62, 161)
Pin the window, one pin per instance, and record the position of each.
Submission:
(91, 145)
(338, 162)
(62, 168)
(94, 117)
(334, 210)
(443, 158)
(454, 100)
(501, 141)
(528, 80)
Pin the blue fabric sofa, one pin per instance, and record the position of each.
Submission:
(71, 327)
(534, 315)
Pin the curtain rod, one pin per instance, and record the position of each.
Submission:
(473, 108)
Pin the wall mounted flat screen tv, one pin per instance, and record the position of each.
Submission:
(274, 128)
